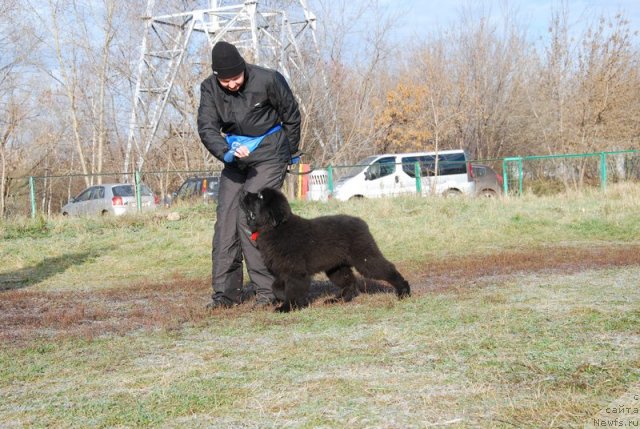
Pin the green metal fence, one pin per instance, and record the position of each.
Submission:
(47, 194)
(550, 173)
(529, 174)
(541, 175)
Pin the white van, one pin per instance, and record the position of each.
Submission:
(395, 174)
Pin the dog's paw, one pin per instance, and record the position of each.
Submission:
(405, 292)
(284, 308)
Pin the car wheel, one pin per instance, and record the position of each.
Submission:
(65, 214)
(104, 212)
(356, 198)
(452, 193)
(488, 193)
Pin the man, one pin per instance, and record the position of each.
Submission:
(249, 120)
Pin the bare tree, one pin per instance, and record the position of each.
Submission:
(343, 105)
(550, 97)
(490, 60)
(69, 77)
(14, 100)
(442, 106)
(607, 79)
(82, 38)
(459, 89)
(586, 85)
(103, 69)
(13, 115)
(479, 84)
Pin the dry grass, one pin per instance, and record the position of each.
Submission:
(525, 314)
(26, 315)
(29, 315)
(531, 349)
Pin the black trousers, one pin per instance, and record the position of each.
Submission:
(232, 238)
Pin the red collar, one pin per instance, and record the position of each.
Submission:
(254, 236)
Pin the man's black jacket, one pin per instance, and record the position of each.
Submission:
(262, 102)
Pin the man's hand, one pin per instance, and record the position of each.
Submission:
(295, 157)
(241, 152)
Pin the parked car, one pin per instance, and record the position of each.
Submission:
(488, 182)
(196, 189)
(112, 198)
(395, 174)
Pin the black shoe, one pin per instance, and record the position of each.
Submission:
(262, 303)
(218, 303)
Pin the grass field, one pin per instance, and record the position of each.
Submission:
(525, 313)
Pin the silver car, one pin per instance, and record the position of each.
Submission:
(110, 199)
(488, 182)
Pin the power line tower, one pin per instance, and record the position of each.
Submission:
(267, 36)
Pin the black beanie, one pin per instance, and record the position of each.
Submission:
(226, 61)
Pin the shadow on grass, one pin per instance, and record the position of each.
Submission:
(325, 289)
(49, 267)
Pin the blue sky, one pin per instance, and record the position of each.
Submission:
(418, 17)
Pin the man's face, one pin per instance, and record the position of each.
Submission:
(232, 84)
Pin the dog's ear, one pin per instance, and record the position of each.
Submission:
(278, 216)
(245, 199)
(277, 206)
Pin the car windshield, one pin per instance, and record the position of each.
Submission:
(188, 189)
(127, 191)
(123, 191)
(453, 163)
(353, 170)
(84, 196)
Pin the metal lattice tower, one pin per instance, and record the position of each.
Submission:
(264, 36)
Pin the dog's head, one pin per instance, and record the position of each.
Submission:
(266, 209)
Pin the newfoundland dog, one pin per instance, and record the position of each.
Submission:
(294, 249)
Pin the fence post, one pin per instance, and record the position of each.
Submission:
(136, 178)
(505, 174)
(418, 181)
(603, 171)
(32, 195)
(505, 177)
(520, 176)
(330, 179)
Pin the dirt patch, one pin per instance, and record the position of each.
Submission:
(29, 315)
(26, 315)
(436, 275)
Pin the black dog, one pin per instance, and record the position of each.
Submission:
(294, 249)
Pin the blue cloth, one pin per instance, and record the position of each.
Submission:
(251, 143)
(295, 160)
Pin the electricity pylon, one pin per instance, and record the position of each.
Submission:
(265, 36)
